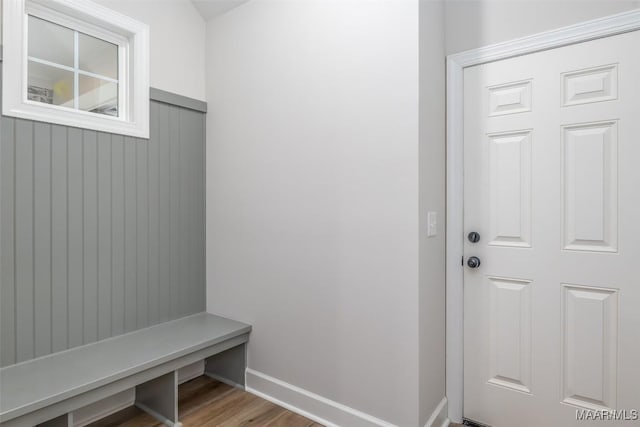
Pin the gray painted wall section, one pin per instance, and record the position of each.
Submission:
(100, 234)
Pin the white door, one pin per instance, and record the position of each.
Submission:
(552, 186)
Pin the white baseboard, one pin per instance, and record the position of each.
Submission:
(308, 404)
(439, 417)
(296, 399)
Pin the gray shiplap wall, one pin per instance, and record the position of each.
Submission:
(100, 234)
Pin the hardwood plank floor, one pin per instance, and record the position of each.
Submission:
(210, 403)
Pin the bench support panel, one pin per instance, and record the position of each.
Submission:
(228, 366)
(65, 420)
(159, 398)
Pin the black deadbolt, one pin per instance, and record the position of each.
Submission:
(474, 237)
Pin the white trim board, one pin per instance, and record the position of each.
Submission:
(590, 30)
(315, 407)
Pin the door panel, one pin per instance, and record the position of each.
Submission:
(590, 186)
(510, 189)
(510, 333)
(552, 148)
(589, 346)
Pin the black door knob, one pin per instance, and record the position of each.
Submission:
(473, 262)
(474, 237)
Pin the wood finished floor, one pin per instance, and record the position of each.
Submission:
(207, 402)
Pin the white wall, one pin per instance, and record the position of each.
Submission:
(432, 198)
(474, 23)
(313, 198)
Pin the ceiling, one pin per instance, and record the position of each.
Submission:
(211, 8)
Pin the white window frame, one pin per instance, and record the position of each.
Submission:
(132, 38)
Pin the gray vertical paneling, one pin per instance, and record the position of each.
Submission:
(117, 235)
(104, 235)
(201, 208)
(75, 239)
(130, 236)
(142, 234)
(24, 261)
(174, 212)
(153, 175)
(200, 214)
(191, 129)
(185, 199)
(90, 236)
(164, 212)
(7, 241)
(59, 224)
(201, 251)
(42, 237)
(100, 234)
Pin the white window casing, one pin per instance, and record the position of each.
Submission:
(131, 37)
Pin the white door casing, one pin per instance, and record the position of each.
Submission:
(590, 30)
(550, 153)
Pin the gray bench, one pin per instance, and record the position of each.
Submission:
(46, 391)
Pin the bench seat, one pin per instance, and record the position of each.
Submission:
(50, 387)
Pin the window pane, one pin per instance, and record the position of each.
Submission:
(51, 42)
(98, 56)
(98, 96)
(50, 85)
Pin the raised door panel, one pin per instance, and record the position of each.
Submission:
(590, 346)
(591, 85)
(510, 333)
(590, 187)
(510, 189)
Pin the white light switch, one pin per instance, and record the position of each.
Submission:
(432, 224)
